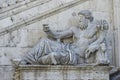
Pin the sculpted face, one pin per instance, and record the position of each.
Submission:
(83, 22)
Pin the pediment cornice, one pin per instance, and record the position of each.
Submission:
(41, 16)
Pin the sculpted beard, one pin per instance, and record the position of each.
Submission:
(83, 23)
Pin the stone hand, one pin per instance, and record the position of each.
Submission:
(91, 49)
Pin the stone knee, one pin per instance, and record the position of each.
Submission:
(49, 59)
(53, 56)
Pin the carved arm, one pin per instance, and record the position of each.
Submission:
(59, 35)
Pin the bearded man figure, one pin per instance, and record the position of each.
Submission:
(88, 37)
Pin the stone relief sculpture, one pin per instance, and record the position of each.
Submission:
(88, 46)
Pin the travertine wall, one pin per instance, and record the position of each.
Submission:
(23, 20)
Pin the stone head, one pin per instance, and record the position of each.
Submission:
(86, 13)
(85, 16)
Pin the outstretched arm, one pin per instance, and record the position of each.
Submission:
(61, 34)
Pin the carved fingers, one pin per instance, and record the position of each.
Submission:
(87, 53)
(91, 49)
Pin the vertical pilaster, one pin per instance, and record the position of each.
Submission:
(116, 28)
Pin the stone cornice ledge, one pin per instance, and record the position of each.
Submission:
(41, 16)
(2, 10)
(16, 9)
(64, 67)
(61, 72)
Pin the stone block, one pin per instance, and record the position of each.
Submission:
(6, 72)
(11, 39)
(116, 18)
(34, 36)
(23, 36)
(116, 3)
(5, 22)
(63, 72)
(101, 5)
(42, 8)
(102, 15)
(8, 53)
(1, 41)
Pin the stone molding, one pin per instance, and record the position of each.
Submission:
(42, 16)
(13, 10)
(14, 6)
(64, 67)
(66, 72)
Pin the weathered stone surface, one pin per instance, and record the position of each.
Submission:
(6, 72)
(8, 53)
(47, 72)
(116, 15)
(109, 9)
(84, 49)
